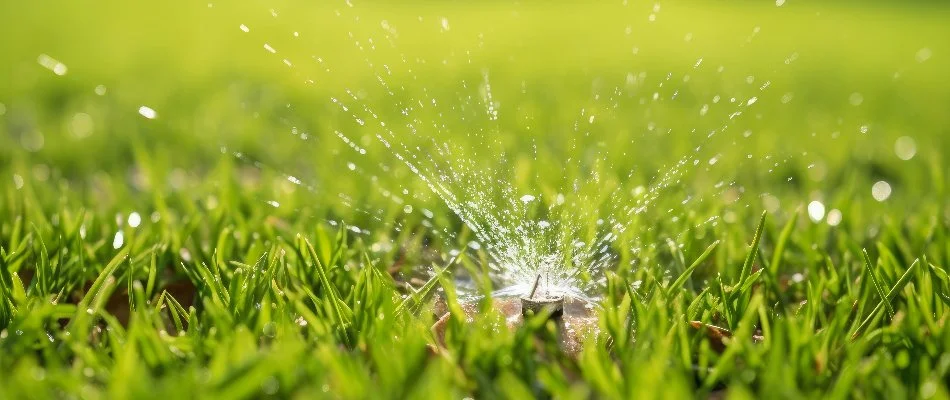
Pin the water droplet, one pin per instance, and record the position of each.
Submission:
(41, 172)
(527, 198)
(147, 112)
(856, 99)
(135, 219)
(905, 147)
(81, 125)
(270, 328)
(816, 211)
(771, 203)
(881, 190)
(834, 217)
(923, 54)
(52, 64)
(270, 385)
(245, 28)
(118, 240)
(33, 141)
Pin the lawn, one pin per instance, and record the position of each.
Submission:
(213, 200)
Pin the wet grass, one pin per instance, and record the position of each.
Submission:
(137, 260)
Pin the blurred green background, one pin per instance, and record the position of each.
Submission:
(836, 85)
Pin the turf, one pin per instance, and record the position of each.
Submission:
(139, 260)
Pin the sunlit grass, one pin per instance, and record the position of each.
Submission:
(232, 282)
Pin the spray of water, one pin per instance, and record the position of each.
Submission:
(523, 234)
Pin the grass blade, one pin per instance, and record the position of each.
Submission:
(681, 280)
(869, 269)
(893, 292)
(750, 259)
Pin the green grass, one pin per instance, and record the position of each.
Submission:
(216, 294)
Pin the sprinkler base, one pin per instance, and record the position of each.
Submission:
(575, 319)
(538, 305)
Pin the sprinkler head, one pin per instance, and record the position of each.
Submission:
(532, 306)
(575, 318)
